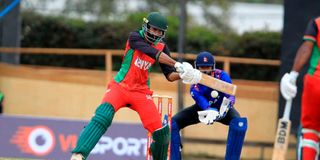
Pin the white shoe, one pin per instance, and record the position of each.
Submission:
(76, 156)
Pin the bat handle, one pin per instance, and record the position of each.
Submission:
(287, 109)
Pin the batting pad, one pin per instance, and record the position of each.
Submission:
(236, 135)
(175, 141)
(160, 144)
(98, 125)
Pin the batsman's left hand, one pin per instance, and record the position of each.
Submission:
(187, 73)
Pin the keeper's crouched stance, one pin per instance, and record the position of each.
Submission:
(211, 106)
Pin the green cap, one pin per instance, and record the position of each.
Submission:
(155, 19)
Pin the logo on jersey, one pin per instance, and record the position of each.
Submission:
(37, 140)
(196, 87)
(142, 64)
(149, 97)
(108, 90)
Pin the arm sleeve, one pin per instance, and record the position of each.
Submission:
(198, 97)
(166, 70)
(225, 77)
(311, 31)
(137, 42)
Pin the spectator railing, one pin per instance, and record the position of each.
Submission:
(226, 61)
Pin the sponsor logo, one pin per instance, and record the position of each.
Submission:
(282, 134)
(121, 146)
(142, 64)
(41, 141)
(38, 140)
(196, 87)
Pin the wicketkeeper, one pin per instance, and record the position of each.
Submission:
(131, 88)
(210, 106)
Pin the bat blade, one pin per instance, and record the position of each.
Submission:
(218, 84)
(282, 137)
(282, 140)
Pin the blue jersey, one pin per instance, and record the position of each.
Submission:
(202, 94)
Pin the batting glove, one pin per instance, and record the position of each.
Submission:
(288, 87)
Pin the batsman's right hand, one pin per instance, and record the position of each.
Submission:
(288, 87)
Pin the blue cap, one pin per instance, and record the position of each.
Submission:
(204, 59)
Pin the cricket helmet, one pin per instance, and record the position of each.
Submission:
(155, 20)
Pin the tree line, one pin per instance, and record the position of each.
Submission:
(61, 32)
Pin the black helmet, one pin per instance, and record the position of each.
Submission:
(155, 20)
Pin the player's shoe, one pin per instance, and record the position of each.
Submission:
(76, 156)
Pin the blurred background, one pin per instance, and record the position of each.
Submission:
(58, 55)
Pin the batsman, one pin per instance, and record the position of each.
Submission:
(308, 142)
(210, 106)
(131, 88)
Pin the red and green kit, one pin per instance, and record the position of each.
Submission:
(131, 86)
(310, 104)
(309, 135)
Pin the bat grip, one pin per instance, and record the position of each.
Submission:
(287, 109)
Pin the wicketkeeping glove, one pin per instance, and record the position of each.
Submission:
(225, 106)
(208, 116)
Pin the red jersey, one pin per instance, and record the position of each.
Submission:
(313, 34)
(135, 68)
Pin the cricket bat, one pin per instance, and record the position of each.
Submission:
(282, 137)
(218, 84)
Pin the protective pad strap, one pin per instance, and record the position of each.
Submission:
(98, 125)
(311, 144)
(175, 153)
(236, 135)
(308, 147)
(159, 146)
(306, 130)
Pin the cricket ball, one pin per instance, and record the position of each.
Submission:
(214, 94)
